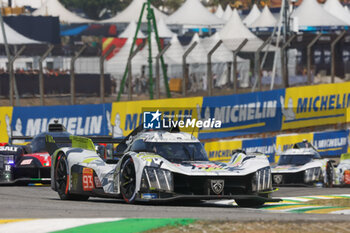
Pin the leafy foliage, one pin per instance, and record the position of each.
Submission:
(92, 8)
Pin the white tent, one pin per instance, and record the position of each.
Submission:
(335, 8)
(199, 53)
(192, 12)
(347, 9)
(252, 16)
(265, 19)
(174, 54)
(117, 64)
(130, 31)
(227, 14)
(173, 58)
(141, 57)
(219, 11)
(311, 13)
(221, 54)
(14, 37)
(132, 13)
(234, 32)
(55, 8)
(163, 30)
(220, 57)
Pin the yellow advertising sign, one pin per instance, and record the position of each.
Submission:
(126, 116)
(284, 142)
(222, 150)
(315, 105)
(349, 141)
(5, 123)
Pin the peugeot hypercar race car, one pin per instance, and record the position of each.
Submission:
(303, 165)
(29, 163)
(342, 171)
(159, 165)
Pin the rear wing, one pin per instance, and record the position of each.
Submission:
(25, 138)
(304, 144)
(345, 156)
(78, 142)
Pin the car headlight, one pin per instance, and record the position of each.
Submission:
(7, 160)
(261, 180)
(157, 179)
(312, 174)
(254, 182)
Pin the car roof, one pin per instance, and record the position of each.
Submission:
(301, 151)
(53, 134)
(165, 136)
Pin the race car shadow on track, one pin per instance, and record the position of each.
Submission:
(178, 203)
(24, 183)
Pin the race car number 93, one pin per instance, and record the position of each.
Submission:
(88, 177)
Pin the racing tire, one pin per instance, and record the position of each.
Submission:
(329, 174)
(62, 180)
(249, 203)
(128, 181)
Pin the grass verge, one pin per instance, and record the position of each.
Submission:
(258, 227)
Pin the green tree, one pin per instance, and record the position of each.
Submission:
(173, 5)
(92, 8)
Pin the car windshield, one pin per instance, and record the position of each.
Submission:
(38, 143)
(178, 152)
(294, 159)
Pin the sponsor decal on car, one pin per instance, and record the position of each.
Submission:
(97, 182)
(88, 179)
(8, 148)
(217, 186)
(26, 162)
(7, 168)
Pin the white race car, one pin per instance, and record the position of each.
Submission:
(342, 171)
(158, 166)
(302, 165)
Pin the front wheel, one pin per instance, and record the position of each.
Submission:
(62, 181)
(128, 181)
(251, 203)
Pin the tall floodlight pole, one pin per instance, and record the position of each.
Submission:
(285, 33)
(151, 21)
(285, 20)
(149, 28)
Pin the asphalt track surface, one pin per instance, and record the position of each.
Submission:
(42, 202)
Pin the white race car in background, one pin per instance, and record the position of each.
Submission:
(342, 171)
(159, 166)
(302, 165)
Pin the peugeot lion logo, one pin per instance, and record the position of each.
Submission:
(217, 186)
(278, 179)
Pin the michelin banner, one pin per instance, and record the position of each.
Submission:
(315, 105)
(331, 143)
(222, 150)
(126, 116)
(243, 114)
(263, 145)
(5, 123)
(78, 119)
(284, 142)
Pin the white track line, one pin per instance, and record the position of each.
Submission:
(341, 212)
(49, 225)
